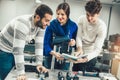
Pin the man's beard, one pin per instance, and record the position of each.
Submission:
(39, 24)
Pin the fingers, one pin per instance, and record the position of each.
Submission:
(21, 77)
(72, 60)
(77, 53)
(42, 69)
(39, 68)
(59, 56)
(81, 60)
(72, 42)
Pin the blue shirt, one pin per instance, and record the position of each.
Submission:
(70, 28)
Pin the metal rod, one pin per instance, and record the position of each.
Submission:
(64, 0)
(53, 59)
(109, 22)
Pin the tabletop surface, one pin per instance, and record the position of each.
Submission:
(53, 75)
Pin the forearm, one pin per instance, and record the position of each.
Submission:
(93, 54)
(39, 53)
(52, 52)
(19, 61)
(79, 50)
(19, 65)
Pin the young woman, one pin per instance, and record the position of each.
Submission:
(61, 26)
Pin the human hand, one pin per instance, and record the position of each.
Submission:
(80, 60)
(41, 68)
(22, 77)
(58, 56)
(76, 54)
(72, 42)
(79, 50)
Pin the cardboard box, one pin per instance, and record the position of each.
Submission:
(115, 66)
(118, 73)
(114, 48)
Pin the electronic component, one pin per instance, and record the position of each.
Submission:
(69, 76)
(42, 76)
(60, 76)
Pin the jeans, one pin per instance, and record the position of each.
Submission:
(89, 66)
(6, 64)
(61, 66)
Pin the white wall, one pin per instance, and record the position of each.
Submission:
(12, 8)
(7, 11)
(53, 5)
(115, 20)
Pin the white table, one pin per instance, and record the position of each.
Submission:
(31, 76)
(52, 76)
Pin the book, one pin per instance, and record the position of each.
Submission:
(67, 56)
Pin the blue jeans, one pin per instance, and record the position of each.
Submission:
(6, 63)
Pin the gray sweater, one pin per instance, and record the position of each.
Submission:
(14, 36)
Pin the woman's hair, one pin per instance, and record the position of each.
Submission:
(64, 6)
(93, 6)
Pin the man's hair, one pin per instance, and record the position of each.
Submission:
(64, 6)
(42, 10)
(93, 6)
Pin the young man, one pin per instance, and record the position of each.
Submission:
(90, 36)
(13, 38)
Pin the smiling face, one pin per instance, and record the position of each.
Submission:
(61, 16)
(63, 11)
(93, 8)
(46, 20)
(92, 18)
(42, 23)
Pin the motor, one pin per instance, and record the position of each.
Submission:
(75, 77)
(42, 76)
(69, 76)
(60, 76)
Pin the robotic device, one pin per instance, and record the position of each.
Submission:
(75, 77)
(69, 76)
(61, 45)
(42, 76)
(60, 76)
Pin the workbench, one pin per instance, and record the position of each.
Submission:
(53, 75)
